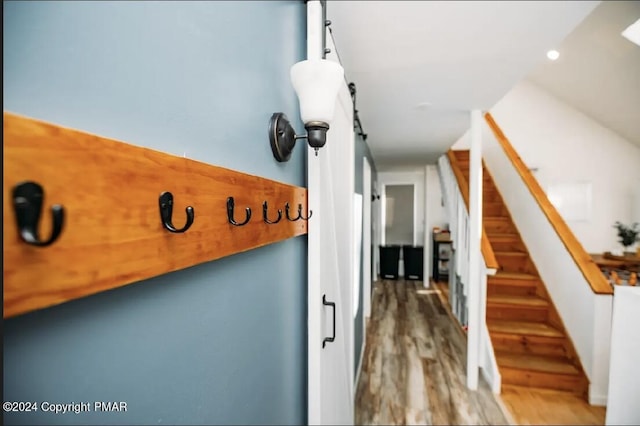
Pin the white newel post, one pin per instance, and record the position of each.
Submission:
(426, 282)
(475, 234)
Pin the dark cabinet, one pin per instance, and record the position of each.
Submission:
(441, 257)
(389, 261)
(413, 262)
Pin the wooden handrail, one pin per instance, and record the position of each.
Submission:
(583, 260)
(487, 251)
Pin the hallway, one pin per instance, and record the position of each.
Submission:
(413, 368)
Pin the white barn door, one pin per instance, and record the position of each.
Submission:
(331, 182)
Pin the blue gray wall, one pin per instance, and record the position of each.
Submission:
(219, 343)
(362, 151)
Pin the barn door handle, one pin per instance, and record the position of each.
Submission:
(333, 305)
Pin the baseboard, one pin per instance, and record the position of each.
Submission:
(493, 382)
(364, 346)
(598, 400)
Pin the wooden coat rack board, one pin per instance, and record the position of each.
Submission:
(113, 234)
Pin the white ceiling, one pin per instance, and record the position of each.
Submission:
(456, 55)
(598, 71)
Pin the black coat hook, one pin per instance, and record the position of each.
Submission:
(27, 204)
(166, 209)
(230, 207)
(287, 208)
(300, 213)
(265, 217)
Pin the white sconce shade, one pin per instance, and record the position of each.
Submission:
(316, 83)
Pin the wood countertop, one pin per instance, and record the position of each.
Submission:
(611, 261)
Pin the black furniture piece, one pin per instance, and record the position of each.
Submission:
(413, 262)
(441, 256)
(389, 260)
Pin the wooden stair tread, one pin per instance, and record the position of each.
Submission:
(511, 253)
(504, 236)
(523, 328)
(508, 299)
(540, 363)
(510, 275)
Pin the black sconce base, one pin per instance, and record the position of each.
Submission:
(282, 137)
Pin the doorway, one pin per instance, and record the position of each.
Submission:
(399, 214)
(398, 209)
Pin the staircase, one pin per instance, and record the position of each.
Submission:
(531, 346)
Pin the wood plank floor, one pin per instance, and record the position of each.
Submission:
(530, 406)
(413, 369)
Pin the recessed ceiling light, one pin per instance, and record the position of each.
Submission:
(553, 55)
(632, 33)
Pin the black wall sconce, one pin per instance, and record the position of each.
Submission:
(316, 82)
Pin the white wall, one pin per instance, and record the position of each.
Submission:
(568, 147)
(636, 204)
(624, 376)
(436, 212)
